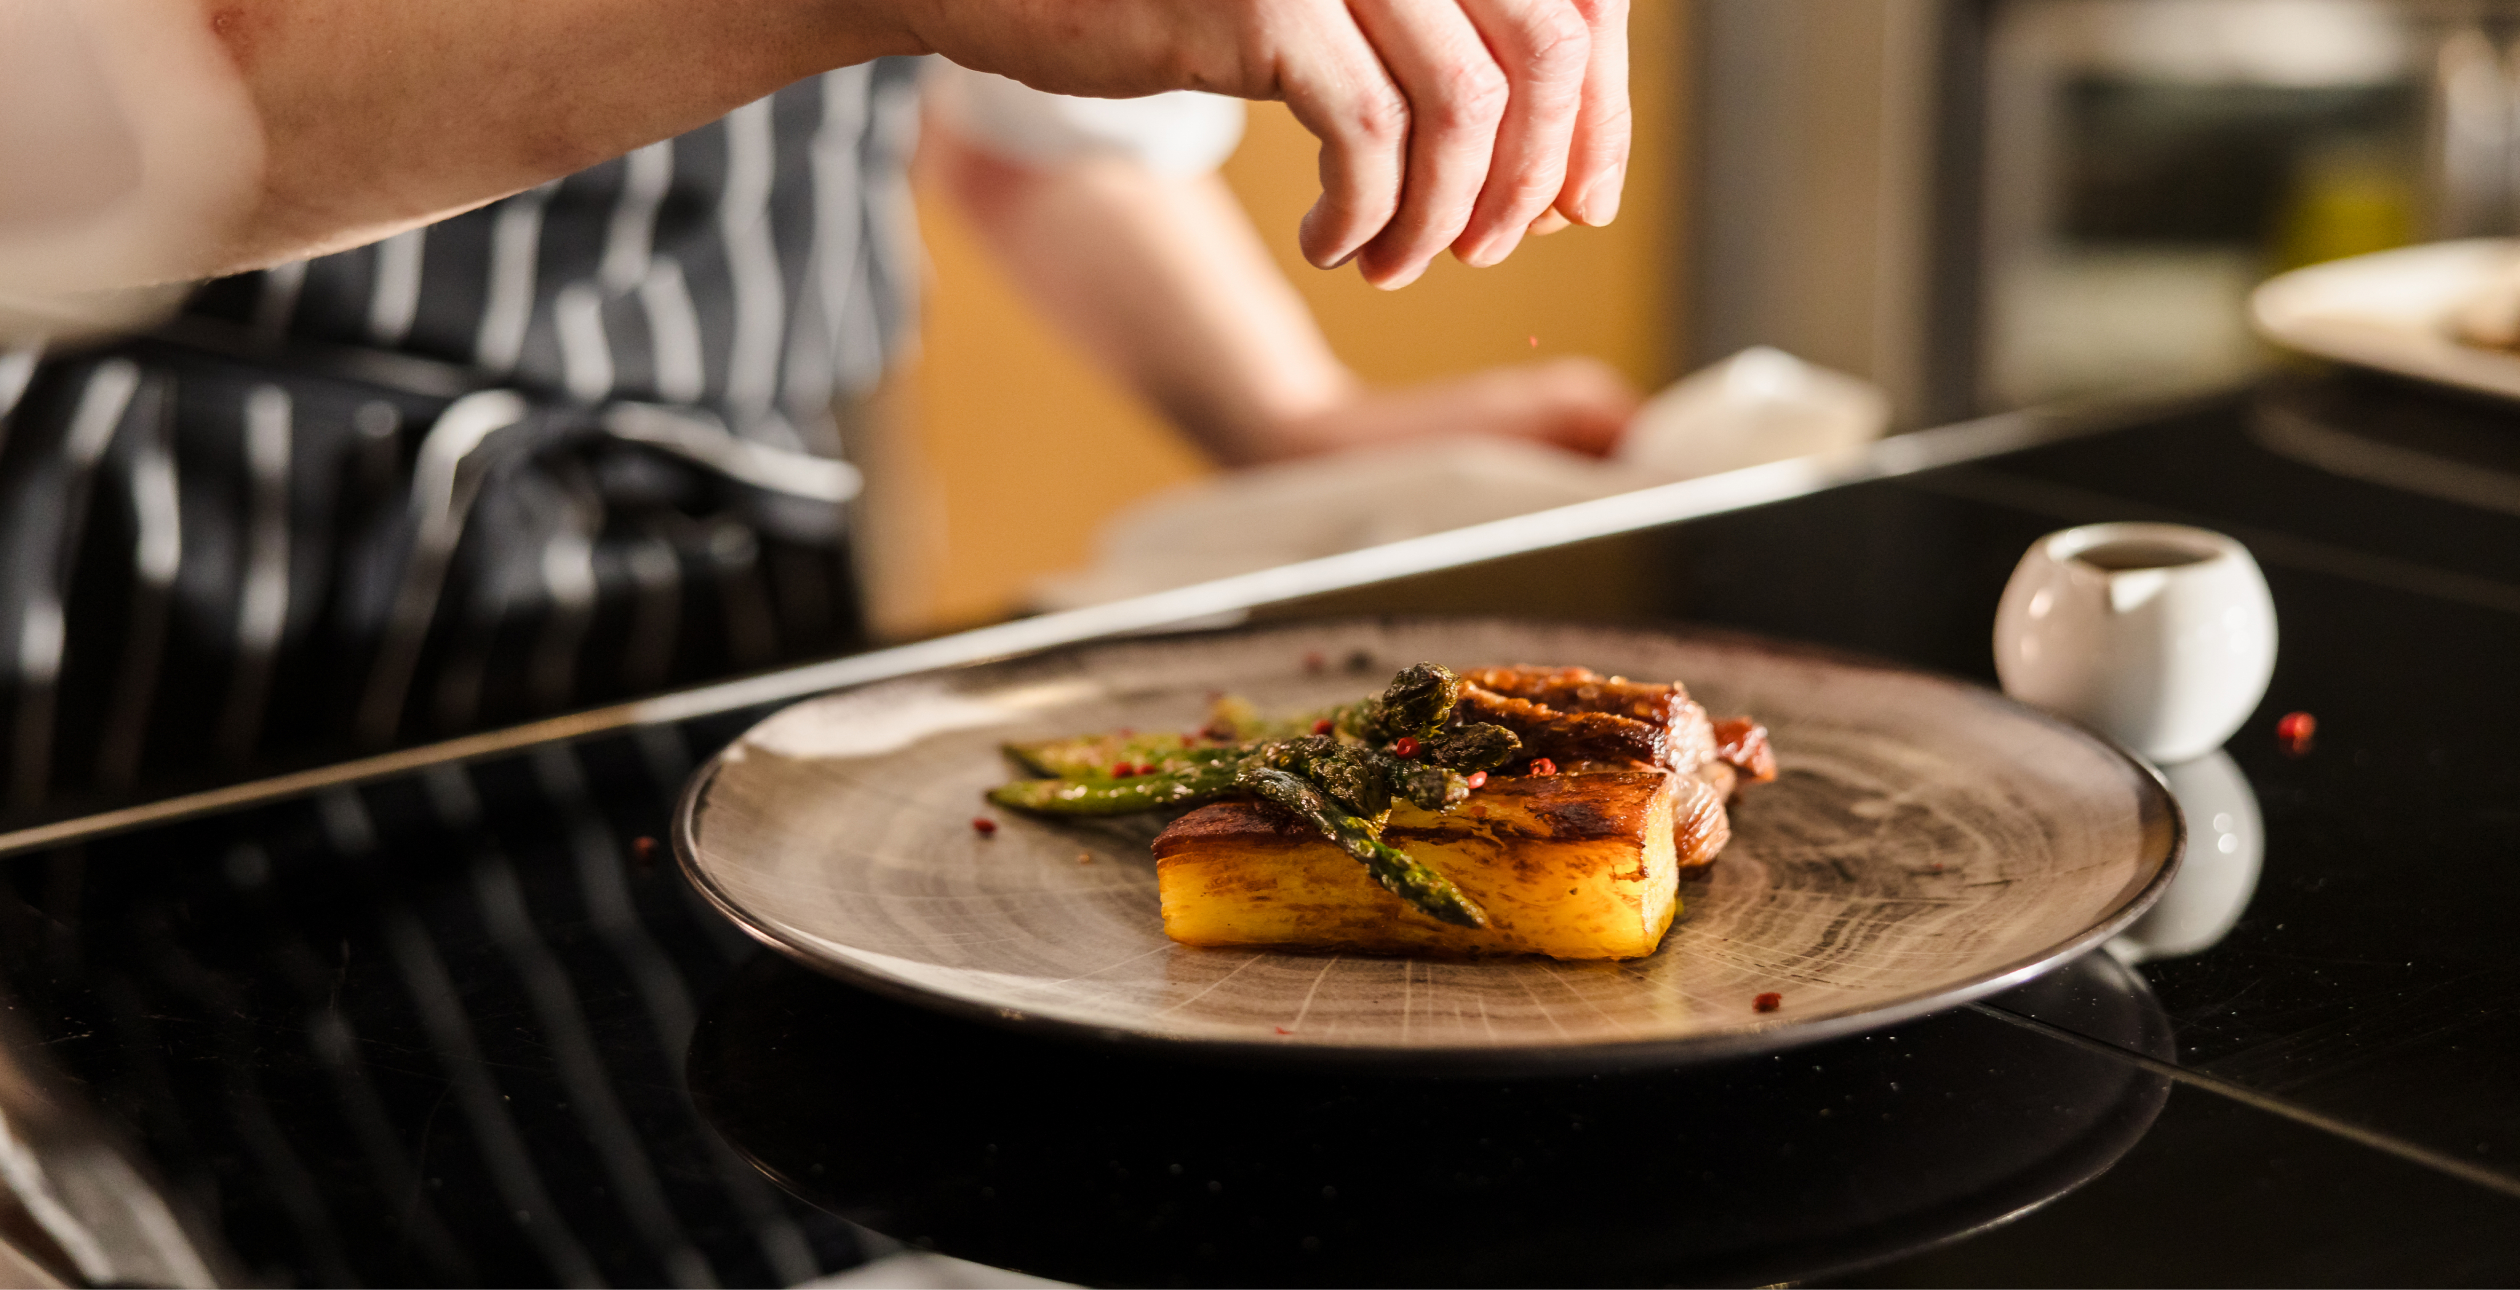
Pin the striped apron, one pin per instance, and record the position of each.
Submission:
(574, 445)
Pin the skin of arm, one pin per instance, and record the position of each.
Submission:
(381, 115)
(1163, 280)
(1444, 123)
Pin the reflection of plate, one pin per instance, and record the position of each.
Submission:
(1928, 842)
(2391, 310)
(1111, 1168)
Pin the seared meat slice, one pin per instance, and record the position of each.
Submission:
(1581, 689)
(1568, 736)
(1574, 714)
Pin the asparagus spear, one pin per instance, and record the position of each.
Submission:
(1348, 773)
(1428, 787)
(1418, 701)
(1105, 795)
(1403, 877)
(1088, 756)
(1232, 717)
(1342, 783)
(1474, 747)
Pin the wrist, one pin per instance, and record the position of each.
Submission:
(818, 35)
(1297, 416)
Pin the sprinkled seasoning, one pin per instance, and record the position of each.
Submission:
(1543, 766)
(1769, 1002)
(2297, 733)
(983, 825)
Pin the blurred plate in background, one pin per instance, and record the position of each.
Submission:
(2396, 311)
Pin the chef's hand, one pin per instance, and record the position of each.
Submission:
(1163, 279)
(1443, 123)
(1578, 404)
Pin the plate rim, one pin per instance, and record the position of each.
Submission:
(2274, 311)
(2153, 793)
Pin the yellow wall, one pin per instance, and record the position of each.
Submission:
(1027, 447)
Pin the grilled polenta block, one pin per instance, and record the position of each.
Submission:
(1575, 866)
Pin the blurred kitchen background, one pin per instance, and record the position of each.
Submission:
(1973, 204)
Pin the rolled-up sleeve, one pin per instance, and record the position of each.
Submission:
(1181, 133)
(129, 149)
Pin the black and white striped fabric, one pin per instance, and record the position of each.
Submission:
(576, 444)
(424, 1032)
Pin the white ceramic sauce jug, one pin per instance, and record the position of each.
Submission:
(2159, 635)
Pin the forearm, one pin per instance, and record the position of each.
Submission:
(381, 114)
(1444, 123)
(1163, 280)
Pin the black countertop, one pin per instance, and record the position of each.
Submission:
(466, 1024)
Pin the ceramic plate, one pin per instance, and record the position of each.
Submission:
(1926, 842)
(2391, 310)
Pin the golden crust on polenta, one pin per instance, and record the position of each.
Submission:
(1578, 866)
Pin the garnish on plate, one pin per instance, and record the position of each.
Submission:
(1503, 810)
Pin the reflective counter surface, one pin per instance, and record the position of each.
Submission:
(465, 1024)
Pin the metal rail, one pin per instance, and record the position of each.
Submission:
(1203, 602)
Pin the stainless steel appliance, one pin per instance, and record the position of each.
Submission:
(1987, 203)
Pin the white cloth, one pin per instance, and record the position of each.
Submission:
(1181, 133)
(128, 145)
(1758, 406)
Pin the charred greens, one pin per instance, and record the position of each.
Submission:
(1341, 778)
(1392, 867)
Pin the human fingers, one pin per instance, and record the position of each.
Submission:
(1457, 97)
(1550, 221)
(1336, 85)
(1544, 48)
(1596, 168)
(1581, 404)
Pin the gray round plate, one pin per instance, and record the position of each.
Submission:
(1927, 842)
